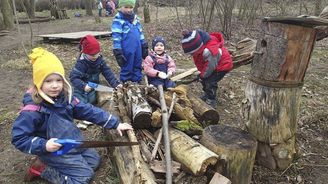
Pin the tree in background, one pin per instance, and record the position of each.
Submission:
(7, 14)
(146, 11)
(88, 7)
(30, 7)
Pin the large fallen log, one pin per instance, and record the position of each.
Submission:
(190, 153)
(236, 148)
(129, 164)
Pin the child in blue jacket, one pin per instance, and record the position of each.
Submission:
(47, 115)
(159, 66)
(129, 45)
(88, 67)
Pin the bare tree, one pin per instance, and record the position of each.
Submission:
(146, 11)
(88, 7)
(30, 7)
(225, 8)
(317, 7)
(7, 14)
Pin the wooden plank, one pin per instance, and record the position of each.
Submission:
(184, 74)
(76, 35)
(159, 166)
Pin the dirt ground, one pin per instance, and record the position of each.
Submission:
(310, 166)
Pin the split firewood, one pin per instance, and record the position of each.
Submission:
(159, 166)
(219, 179)
(184, 74)
(244, 52)
(156, 118)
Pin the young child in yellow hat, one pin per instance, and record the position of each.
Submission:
(47, 115)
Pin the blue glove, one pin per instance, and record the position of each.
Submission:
(121, 60)
(144, 50)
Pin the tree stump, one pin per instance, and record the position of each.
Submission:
(236, 148)
(273, 92)
(190, 153)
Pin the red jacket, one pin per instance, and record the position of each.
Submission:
(213, 45)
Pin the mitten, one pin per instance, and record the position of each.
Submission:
(169, 75)
(121, 60)
(162, 75)
(144, 50)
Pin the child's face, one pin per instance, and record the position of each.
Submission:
(127, 9)
(159, 48)
(93, 57)
(52, 85)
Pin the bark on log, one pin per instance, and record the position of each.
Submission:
(140, 109)
(190, 153)
(206, 113)
(130, 167)
(236, 147)
(270, 114)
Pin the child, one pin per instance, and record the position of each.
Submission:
(88, 67)
(100, 7)
(129, 45)
(158, 66)
(211, 58)
(110, 7)
(47, 115)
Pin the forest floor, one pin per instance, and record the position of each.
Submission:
(310, 166)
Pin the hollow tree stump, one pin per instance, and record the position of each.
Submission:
(236, 148)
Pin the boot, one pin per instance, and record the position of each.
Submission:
(35, 170)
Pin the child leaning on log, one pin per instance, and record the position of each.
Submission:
(89, 65)
(211, 58)
(47, 115)
(158, 65)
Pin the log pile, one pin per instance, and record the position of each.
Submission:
(192, 161)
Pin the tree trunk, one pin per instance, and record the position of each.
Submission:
(30, 7)
(54, 9)
(317, 7)
(146, 11)
(190, 153)
(236, 148)
(135, 8)
(88, 7)
(7, 14)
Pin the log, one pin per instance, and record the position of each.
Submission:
(244, 52)
(206, 113)
(130, 167)
(156, 118)
(270, 114)
(219, 179)
(236, 147)
(140, 109)
(190, 153)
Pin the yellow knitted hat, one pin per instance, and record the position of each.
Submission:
(45, 63)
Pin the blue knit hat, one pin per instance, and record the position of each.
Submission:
(157, 39)
(191, 41)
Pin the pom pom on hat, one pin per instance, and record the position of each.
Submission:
(45, 63)
(126, 2)
(90, 45)
(156, 40)
(191, 41)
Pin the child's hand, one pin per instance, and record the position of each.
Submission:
(87, 88)
(123, 126)
(51, 146)
(119, 86)
(162, 75)
(169, 75)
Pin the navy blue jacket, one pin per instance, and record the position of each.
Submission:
(86, 71)
(30, 133)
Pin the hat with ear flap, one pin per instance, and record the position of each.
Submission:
(156, 40)
(191, 41)
(45, 63)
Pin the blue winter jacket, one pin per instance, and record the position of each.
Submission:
(84, 71)
(120, 29)
(30, 134)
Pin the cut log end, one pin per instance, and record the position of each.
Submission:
(210, 117)
(142, 120)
